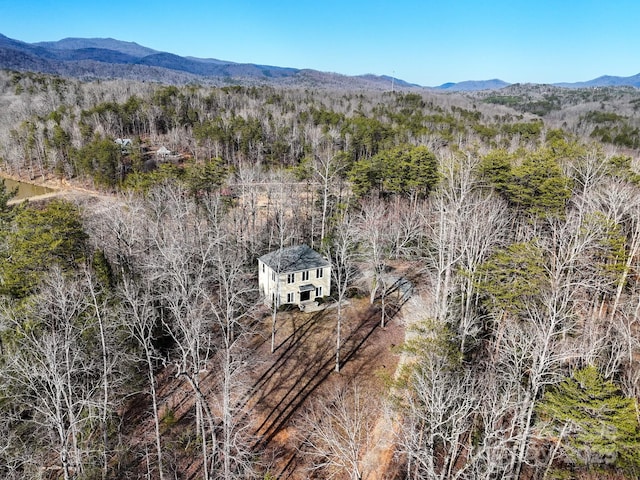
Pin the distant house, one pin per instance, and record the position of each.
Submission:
(295, 275)
(163, 152)
(125, 144)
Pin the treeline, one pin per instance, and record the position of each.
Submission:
(54, 126)
(66, 128)
(96, 306)
(608, 114)
(527, 238)
(526, 364)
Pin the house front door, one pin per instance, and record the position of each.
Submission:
(305, 296)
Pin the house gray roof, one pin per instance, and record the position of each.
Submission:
(294, 259)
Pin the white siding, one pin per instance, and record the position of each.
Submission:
(269, 283)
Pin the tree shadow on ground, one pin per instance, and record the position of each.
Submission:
(304, 363)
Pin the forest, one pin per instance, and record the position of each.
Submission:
(134, 343)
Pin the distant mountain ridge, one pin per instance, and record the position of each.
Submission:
(605, 81)
(104, 58)
(128, 48)
(474, 85)
(88, 58)
(496, 84)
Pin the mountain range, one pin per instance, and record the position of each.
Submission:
(105, 58)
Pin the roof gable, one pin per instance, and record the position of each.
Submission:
(294, 259)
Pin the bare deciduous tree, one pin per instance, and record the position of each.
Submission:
(440, 414)
(338, 430)
(342, 252)
(52, 372)
(139, 309)
(371, 225)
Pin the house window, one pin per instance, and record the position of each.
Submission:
(273, 276)
(305, 276)
(290, 297)
(263, 268)
(291, 277)
(318, 291)
(319, 272)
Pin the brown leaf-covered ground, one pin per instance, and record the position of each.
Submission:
(283, 383)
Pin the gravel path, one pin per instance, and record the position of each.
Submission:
(378, 462)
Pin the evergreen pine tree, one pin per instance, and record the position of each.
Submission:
(600, 424)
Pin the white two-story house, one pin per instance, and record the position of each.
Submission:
(295, 275)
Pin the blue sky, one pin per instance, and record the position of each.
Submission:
(424, 42)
